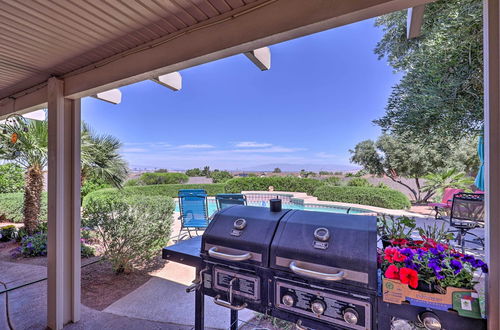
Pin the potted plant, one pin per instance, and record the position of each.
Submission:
(430, 266)
(395, 230)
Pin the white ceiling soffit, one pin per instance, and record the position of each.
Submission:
(172, 81)
(261, 57)
(113, 96)
(35, 115)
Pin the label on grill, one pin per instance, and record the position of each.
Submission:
(244, 285)
(320, 245)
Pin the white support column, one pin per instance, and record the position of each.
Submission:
(492, 155)
(63, 292)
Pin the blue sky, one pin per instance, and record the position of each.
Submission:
(315, 103)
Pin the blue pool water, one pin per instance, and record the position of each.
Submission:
(212, 208)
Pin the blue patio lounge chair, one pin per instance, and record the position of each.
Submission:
(225, 200)
(194, 210)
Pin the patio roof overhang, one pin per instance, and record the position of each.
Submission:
(98, 46)
(54, 53)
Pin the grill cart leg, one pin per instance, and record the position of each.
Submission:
(234, 320)
(199, 307)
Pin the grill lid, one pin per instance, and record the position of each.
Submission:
(327, 247)
(241, 234)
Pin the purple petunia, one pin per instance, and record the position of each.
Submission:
(484, 268)
(468, 258)
(456, 265)
(407, 252)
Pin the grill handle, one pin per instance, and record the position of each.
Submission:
(228, 305)
(228, 257)
(314, 274)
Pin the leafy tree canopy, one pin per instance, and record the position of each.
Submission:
(396, 158)
(441, 93)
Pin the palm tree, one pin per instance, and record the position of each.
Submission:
(99, 157)
(25, 143)
(436, 183)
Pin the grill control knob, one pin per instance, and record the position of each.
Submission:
(350, 315)
(318, 307)
(288, 300)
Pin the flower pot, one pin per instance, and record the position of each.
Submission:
(426, 287)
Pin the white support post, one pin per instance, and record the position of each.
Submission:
(261, 57)
(63, 287)
(414, 21)
(492, 155)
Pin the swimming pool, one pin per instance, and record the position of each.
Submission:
(212, 208)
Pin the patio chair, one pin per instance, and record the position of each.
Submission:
(446, 201)
(225, 200)
(194, 210)
(467, 213)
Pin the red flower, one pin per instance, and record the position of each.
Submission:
(399, 241)
(398, 257)
(392, 272)
(408, 276)
(393, 255)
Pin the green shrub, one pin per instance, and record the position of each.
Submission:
(11, 207)
(170, 190)
(333, 181)
(132, 183)
(220, 176)
(386, 198)
(287, 183)
(34, 246)
(91, 184)
(132, 229)
(11, 178)
(86, 251)
(359, 182)
(7, 233)
(163, 178)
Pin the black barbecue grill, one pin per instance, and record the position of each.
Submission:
(316, 269)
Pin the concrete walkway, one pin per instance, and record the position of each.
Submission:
(163, 298)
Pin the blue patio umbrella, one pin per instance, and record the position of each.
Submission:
(479, 182)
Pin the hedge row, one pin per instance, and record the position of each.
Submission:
(379, 197)
(147, 179)
(170, 190)
(286, 183)
(11, 207)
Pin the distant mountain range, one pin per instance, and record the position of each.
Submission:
(270, 167)
(307, 167)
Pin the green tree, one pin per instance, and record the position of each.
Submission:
(99, 157)
(277, 170)
(220, 176)
(441, 92)
(194, 172)
(11, 178)
(396, 158)
(206, 171)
